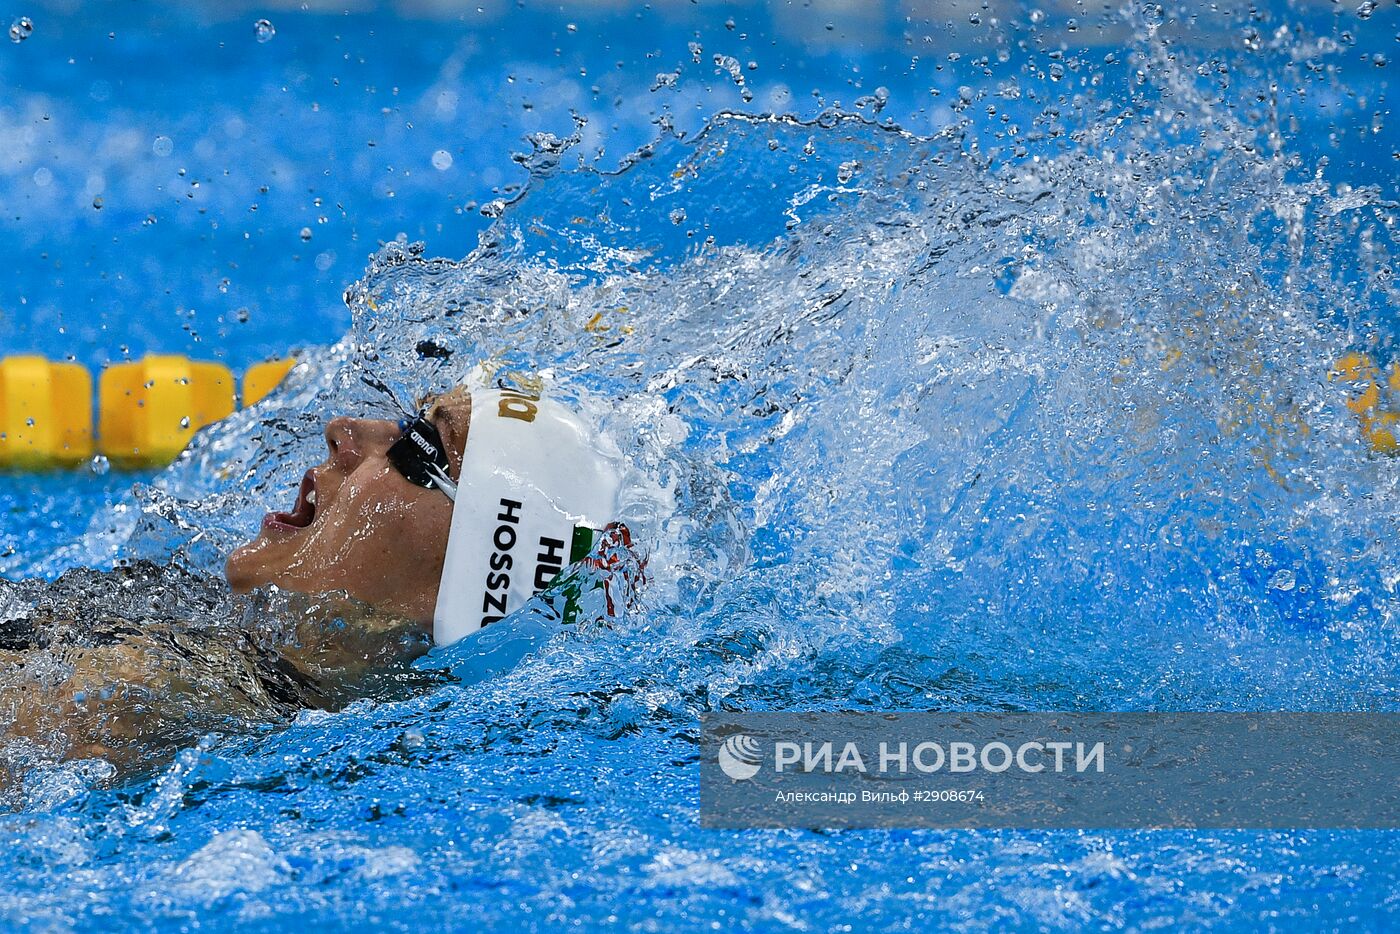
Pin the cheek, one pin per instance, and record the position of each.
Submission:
(376, 522)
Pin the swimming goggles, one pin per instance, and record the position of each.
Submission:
(421, 457)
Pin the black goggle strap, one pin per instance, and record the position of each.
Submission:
(421, 457)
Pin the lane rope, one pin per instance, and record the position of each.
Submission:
(147, 410)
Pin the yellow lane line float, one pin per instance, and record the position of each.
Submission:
(1378, 424)
(262, 378)
(45, 413)
(147, 409)
(150, 409)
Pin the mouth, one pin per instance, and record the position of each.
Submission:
(302, 514)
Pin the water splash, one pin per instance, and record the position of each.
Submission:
(972, 410)
(1031, 420)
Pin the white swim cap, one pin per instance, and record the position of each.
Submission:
(537, 484)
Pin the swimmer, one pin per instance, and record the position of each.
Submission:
(426, 529)
(382, 519)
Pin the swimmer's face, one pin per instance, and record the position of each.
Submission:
(358, 526)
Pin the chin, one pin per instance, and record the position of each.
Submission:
(241, 569)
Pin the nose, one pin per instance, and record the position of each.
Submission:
(351, 440)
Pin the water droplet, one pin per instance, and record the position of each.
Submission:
(1284, 580)
(99, 465)
(21, 29)
(1037, 16)
(1057, 71)
(847, 171)
(29, 422)
(696, 50)
(730, 65)
(975, 19)
(1072, 25)
(1366, 8)
(305, 233)
(876, 101)
(264, 30)
(242, 315)
(185, 422)
(678, 216)
(97, 203)
(163, 146)
(729, 24)
(442, 160)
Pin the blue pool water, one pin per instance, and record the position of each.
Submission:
(1013, 396)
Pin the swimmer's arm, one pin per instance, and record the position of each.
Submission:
(137, 699)
(98, 702)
